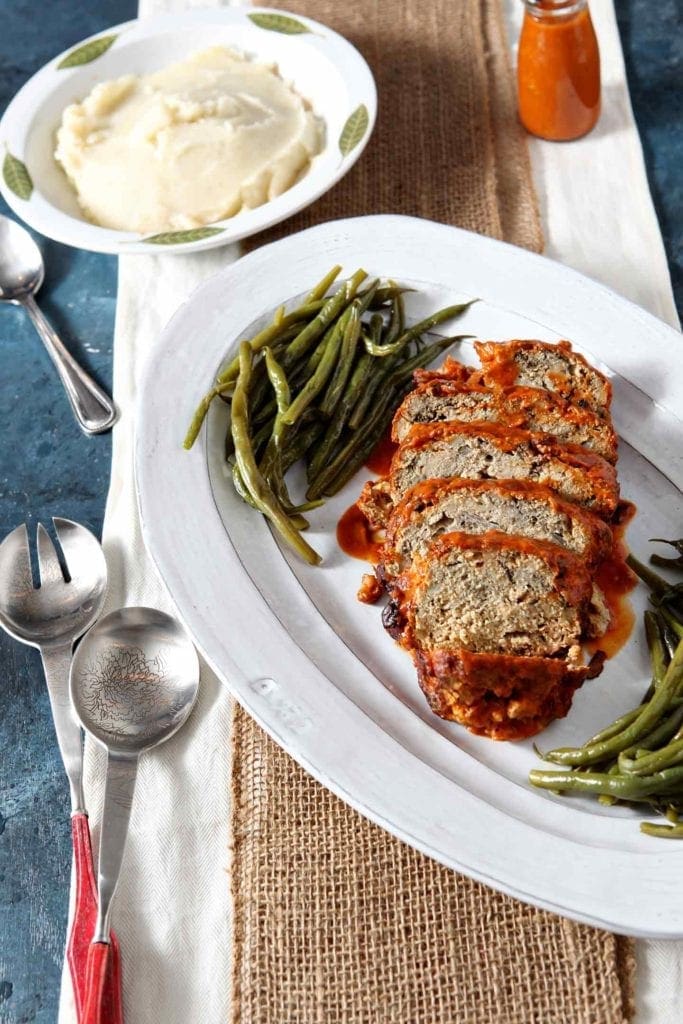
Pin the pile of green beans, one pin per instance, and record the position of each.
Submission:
(638, 759)
(320, 383)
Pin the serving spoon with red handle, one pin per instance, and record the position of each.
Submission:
(134, 682)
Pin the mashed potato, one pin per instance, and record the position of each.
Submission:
(186, 146)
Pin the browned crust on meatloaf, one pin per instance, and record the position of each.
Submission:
(501, 696)
(597, 474)
(425, 496)
(528, 408)
(582, 384)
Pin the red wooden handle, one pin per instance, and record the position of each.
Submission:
(96, 976)
(83, 929)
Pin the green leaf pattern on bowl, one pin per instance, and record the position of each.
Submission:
(279, 23)
(87, 52)
(354, 129)
(17, 177)
(182, 237)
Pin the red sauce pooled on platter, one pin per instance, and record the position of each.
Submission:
(355, 537)
(380, 460)
(616, 581)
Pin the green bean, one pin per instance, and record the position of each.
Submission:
(272, 457)
(335, 427)
(200, 414)
(375, 327)
(261, 493)
(297, 445)
(657, 584)
(388, 292)
(365, 298)
(607, 800)
(448, 313)
(404, 371)
(629, 787)
(277, 378)
(322, 286)
(648, 717)
(359, 447)
(354, 453)
(239, 486)
(395, 328)
(272, 333)
(669, 637)
(344, 365)
(661, 831)
(261, 438)
(260, 390)
(652, 761)
(663, 732)
(659, 656)
(397, 320)
(672, 622)
(611, 730)
(668, 563)
(374, 385)
(265, 414)
(361, 454)
(275, 332)
(321, 375)
(355, 386)
(399, 373)
(327, 315)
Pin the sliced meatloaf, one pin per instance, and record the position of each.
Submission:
(540, 364)
(480, 451)
(497, 594)
(495, 623)
(477, 506)
(536, 409)
(503, 697)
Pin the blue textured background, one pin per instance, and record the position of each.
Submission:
(48, 467)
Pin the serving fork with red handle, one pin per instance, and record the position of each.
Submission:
(52, 617)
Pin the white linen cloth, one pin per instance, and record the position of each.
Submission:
(172, 910)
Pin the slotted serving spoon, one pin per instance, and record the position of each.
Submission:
(134, 682)
(51, 618)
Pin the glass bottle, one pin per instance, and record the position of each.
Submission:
(558, 69)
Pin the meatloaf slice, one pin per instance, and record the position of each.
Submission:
(497, 594)
(477, 506)
(503, 697)
(541, 364)
(529, 408)
(480, 451)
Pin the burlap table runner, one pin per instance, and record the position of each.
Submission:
(335, 921)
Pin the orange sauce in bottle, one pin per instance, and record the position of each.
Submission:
(558, 70)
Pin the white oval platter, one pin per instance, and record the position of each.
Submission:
(322, 66)
(314, 666)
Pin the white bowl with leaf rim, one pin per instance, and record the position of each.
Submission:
(322, 66)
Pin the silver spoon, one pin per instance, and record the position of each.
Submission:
(134, 681)
(21, 275)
